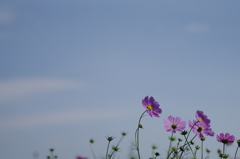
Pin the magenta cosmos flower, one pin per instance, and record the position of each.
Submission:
(174, 124)
(79, 157)
(201, 117)
(201, 129)
(226, 139)
(151, 106)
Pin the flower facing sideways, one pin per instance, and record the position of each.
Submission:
(174, 124)
(225, 139)
(201, 129)
(151, 106)
(201, 117)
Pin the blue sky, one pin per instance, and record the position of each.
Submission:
(75, 70)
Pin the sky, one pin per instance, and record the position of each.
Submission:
(76, 70)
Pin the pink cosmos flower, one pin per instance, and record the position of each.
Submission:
(201, 129)
(226, 139)
(201, 117)
(174, 124)
(79, 157)
(151, 106)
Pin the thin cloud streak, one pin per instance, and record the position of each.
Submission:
(59, 118)
(22, 88)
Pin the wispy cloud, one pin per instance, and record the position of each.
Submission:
(22, 88)
(197, 28)
(59, 118)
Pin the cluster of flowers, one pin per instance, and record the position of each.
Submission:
(200, 126)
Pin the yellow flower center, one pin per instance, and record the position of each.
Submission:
(200, 119)
(149, 107)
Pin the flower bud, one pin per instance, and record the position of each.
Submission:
(124, 134)
(110, 138)
(157, 154)
(140, 126)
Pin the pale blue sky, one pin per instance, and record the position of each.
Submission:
(75, 70)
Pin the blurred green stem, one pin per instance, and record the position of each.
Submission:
(137, 135)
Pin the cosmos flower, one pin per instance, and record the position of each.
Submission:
(151, 106)
(225, 139)
(79, 157)
(201, 129)
(174, 124)
(201, 117)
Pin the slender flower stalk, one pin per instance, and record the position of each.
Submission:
(202, 139)
(238, 142)
(107, 150)
(186, 138)
(137, 134)
(123, 135)
(188, 143)
(170, 144)
(110, 138)
(152, 108)
(91, 142)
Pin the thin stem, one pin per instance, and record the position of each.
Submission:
(188, 136)
(137, 135)
(202, 150)
(194, 154)
(170, 144)
(107, 149)
(223, 150)
(111, 154)
(118, 143)
(52, 154)
(236, 153)
(92, 151)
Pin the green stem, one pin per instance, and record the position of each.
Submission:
(137, 135)
(52, 154)
(92, 151)
(194, 154)
(187, 137)
(107, 149)
(202, 150)
(170, 144)
(223, 149)
(236, 153)
(118, 143)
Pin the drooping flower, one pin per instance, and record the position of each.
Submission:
(151, 106)
(174, 124)
(225, 139)
(201, 117)
(201, 129)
